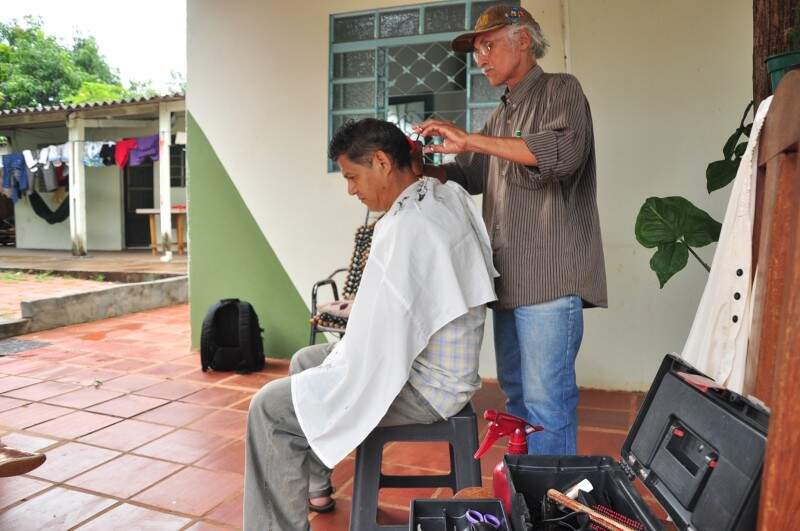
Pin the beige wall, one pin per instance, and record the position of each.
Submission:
(666, 81)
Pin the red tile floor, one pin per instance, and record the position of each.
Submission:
(137, 436)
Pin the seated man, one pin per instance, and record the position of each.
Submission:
(410, 352)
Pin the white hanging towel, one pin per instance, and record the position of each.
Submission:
(430, 262)
(717, 342)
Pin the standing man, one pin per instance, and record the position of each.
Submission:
(534, 163)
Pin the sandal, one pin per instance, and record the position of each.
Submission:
(14, 462)
(328, 507)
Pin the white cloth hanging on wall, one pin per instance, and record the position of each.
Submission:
(718, 339)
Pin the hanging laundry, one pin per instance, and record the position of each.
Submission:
(53, 154)
(91, 154)
(37, 181)
(180, 138)
(43, 211)
(49, 177)
(35, 174)
(34, 170)
(44, 175)
(31, 158)
(15, 175)
(59, 154)
(123, 150)
(146, 146)
(107, 153)
(62, 177)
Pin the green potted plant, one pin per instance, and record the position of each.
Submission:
(778, 65)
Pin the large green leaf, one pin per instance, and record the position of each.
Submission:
(663, 220)
(660, 220)
(672, 219)
(673, 224)
(720, 173)
(730, 144)
(700, 229)
(668, 260)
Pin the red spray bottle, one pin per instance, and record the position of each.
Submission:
(500, 425)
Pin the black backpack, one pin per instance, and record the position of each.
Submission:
(231, 338)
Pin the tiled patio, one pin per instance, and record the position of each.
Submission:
(138, 437)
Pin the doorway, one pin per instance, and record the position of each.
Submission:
(138, 185)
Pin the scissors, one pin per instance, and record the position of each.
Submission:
(474, 517)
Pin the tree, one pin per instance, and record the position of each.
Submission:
(772, 20)
(177, 82)
(92, 65)
(141, 89)
(35, 69)
(91, 91)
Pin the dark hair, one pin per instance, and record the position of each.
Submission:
(359, 140)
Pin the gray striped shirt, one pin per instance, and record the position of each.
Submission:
(542, 220)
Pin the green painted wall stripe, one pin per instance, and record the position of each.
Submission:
(230, 256)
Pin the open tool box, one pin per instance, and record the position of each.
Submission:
(697, 447)
(447, 515)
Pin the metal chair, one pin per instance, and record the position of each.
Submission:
(362, 240)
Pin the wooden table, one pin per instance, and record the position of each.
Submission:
(180, 227)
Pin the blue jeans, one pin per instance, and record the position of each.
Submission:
(536, 347)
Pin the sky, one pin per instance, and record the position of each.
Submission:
(143, 39)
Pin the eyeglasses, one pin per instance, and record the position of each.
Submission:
(483, 49)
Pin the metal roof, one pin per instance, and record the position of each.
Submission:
(84, 106)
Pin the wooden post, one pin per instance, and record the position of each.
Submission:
(164, 193)
(77, 187)
(775, 337)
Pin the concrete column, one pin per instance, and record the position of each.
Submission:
(77, 187)
(164, 195)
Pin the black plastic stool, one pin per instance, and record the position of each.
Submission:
(460, 430)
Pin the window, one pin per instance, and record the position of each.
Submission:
(396, 64)
(177, 166)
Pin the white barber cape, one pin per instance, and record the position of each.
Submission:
(717, 342)
(430, 262)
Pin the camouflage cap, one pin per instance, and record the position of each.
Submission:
(493, 18)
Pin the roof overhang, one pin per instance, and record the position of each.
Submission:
(58, 115)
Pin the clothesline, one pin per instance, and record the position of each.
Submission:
(47, 169)
(159, 133)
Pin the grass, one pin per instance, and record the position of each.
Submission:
(42, 276)
(12, 276)
(16, 276)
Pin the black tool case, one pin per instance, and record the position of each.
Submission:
(699, 450)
